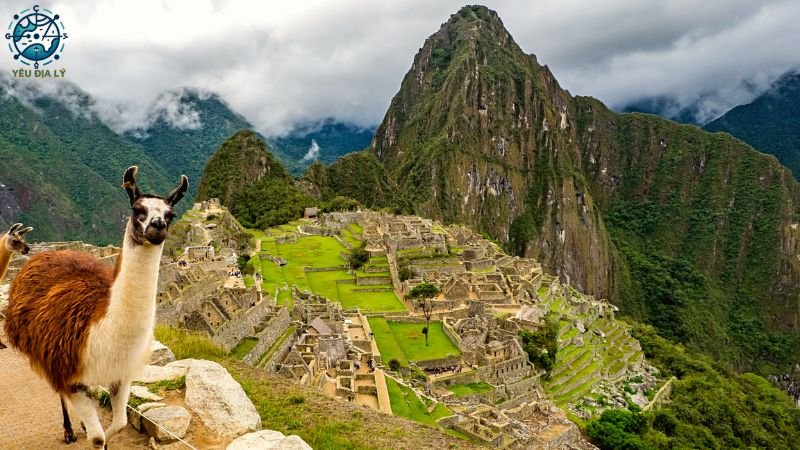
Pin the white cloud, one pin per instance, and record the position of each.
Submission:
(313, 152)
(280, 63)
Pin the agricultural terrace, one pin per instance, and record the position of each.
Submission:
(405, 341)
(321, 252)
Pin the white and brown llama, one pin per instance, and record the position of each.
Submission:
(83, 324)
(10, 243)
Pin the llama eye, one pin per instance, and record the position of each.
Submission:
(139, 213)
(169, 216)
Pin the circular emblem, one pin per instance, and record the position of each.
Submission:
(36, 36)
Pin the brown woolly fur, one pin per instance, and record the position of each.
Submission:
(55, 298)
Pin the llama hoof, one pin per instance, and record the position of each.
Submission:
(99, 442)
(69, 436)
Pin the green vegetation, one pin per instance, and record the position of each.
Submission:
(542, 345)
(186, 344)
(336, 284)
(770, 123)
(423, 294)
(61, 170)
(160, 387)
(405, 341)
(616, 429)
(243, 348)
(461, 390)
(710, 407)
(406, 403)
(251, 182)
(358, 257)
(358, 176)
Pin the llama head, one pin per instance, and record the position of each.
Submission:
(15, 239)
(152, 214)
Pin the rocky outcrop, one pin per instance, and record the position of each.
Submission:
(218, 400)
(268, 440)
(168, 372)
(167, 423)
(160, 354)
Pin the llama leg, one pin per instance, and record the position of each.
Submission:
(69, 435)
(119, 404)
(83, 406)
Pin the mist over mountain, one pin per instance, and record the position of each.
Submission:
(62, 165)
(324, 141)
(770, 123)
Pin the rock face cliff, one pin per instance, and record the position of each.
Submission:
(693, 232)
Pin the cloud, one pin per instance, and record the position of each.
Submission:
(284, 63)
(313, 152)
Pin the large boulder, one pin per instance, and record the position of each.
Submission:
(160, 354)
(268, 439)
(135, 416)
(168, 423)
(219, 401)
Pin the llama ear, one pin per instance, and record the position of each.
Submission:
(129, 183)
(25, 230)
(176, 195)
(14, 228)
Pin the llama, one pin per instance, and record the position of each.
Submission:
(10, 243)
(83, 324)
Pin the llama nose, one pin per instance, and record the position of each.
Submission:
(158, 223)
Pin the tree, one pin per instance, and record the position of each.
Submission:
(405, 273)
(423, 294)
(358, 257)
(541, 345)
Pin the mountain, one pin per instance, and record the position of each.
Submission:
(323, 141)
(62, 166)
(252, 183)
(669, 107)
(358, 175)
(186, 127)
(771, 123)
(695, 233)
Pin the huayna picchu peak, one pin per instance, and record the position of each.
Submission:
(480, 133)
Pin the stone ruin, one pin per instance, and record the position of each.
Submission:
(333, 354)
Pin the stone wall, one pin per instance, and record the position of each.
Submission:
(276, 326)
(373, 281)
(280, 353)
(661, 396)
(233, 331)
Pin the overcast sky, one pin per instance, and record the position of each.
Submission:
(281, 63)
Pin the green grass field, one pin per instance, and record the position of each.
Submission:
(405, 341)
(243, 348)
(320, 251)
(405, 403)
(471, 388)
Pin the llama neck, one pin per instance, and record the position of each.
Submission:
(5, 258)
(136, 283)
